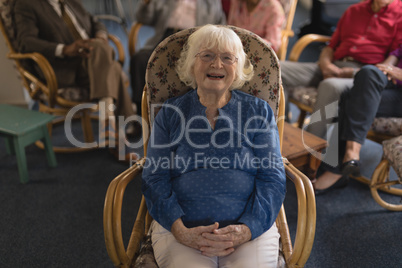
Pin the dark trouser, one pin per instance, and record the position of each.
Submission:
(372, 95)
(138, 67)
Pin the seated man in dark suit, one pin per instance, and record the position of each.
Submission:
(76, 46)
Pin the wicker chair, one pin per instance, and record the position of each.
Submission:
(289, 6)
(266, 84)
(51, 99)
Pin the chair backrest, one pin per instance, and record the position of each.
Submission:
(162, 81)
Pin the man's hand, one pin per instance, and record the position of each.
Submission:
(195, 238)
(235, 234)
(80, 48)
(348, 72)
(330, 70)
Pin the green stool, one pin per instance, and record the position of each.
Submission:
(21, 127)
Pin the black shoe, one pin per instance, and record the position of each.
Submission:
(340, 183)
(351, 167)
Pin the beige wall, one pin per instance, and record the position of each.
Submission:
(11, 89)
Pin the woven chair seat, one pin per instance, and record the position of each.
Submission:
(388, 125)
(393, 152)
(305, 95)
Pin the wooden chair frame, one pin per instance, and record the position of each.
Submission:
(295, 254)
(45, 93)
(294, 55)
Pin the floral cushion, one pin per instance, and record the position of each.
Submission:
(393, 152)
(163, 82)
(388, 125)
(146, 258)
(305, 95)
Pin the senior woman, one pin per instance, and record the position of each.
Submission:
(214, 180)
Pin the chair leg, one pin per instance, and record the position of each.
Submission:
(302, 117)
(378, 182)
(9, 145)
(51, 158)
(86, 127)
(19, 150)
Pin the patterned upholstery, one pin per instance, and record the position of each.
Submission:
(163, 82)
(146, 258)
(390, 125)
(393, 152)
(305, 95)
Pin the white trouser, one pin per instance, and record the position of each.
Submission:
(169, 253)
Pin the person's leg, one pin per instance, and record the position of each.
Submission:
(106, 78)
(362, 103)
(390, 104)
(169, 253)
(326, 107)
(138, 66)
(261, 252)
(296, 74)
(357, 110)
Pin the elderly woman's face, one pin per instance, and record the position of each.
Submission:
(214, 70)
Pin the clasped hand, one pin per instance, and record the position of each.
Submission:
(80, 48)
(392, 72)
(211, 240)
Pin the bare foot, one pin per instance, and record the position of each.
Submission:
(326, 180)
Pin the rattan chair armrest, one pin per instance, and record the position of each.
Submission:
(303, 42)
(306, 216)
(112, 214)
(119, 46)
(51, 82)
(133, 37)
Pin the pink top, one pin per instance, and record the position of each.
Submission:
(266, 20)
(366, 36)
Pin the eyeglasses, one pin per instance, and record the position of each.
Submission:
(208, 56)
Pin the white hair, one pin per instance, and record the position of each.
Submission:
(214, 36)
